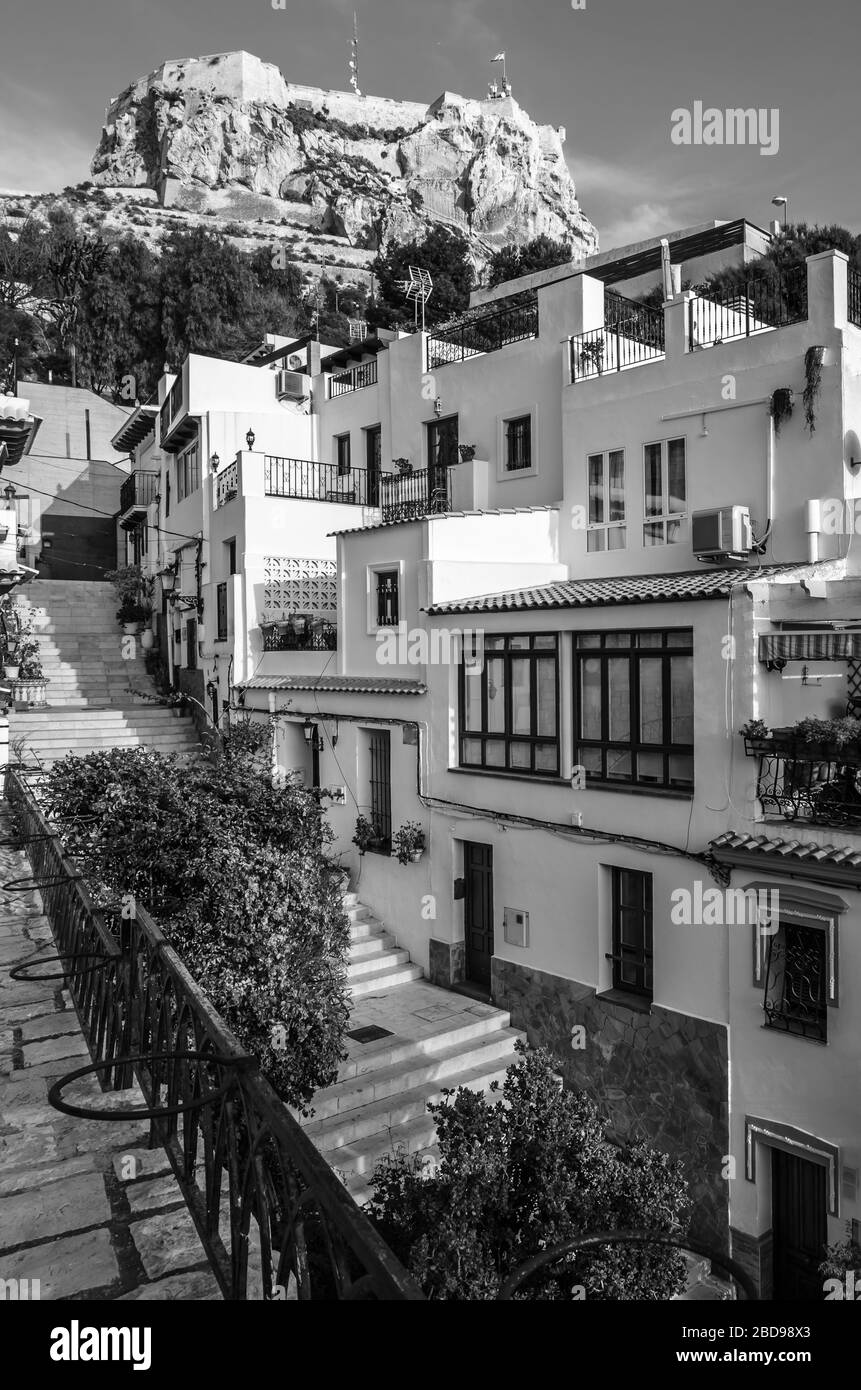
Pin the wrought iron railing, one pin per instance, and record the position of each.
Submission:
(313, 637)
(138, 490)
(482, 332)
(556, 1264)
(406, 496)
(267, 1207)
(365, 374)
(853, 297)
(758, 305)
(227, 484)
(317, 482)
(801, 784)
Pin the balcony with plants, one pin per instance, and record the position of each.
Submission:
(809, 772)
(632, 333)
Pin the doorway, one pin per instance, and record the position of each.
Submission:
(478, 912)
(799, 1205)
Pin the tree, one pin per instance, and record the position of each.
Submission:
(539, 254)
(206, 288)
(235, 872)
(446, 255)
(523, 1173)
(119, 341)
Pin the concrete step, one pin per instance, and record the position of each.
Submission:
(359, 1184)
(347, 1130)
(386, 979)
(405, 1051)
(369, 966)
(371, 946)
(391, 1081)
(359, 931)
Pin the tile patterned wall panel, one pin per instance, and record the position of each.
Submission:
(299, 586)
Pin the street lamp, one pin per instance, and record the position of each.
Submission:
(10, 493)
(168, 580)
(249, 440)
(781, 202)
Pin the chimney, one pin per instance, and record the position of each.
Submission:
(314, 357)
(775, 228)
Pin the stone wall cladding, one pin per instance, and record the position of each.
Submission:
(446, 962)
(660, 1078)
(755, 1255)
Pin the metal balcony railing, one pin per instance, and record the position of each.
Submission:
(406, 496)
(227, 484)
(138, 490)
(477, 333)
(758, 305)
(802, 784)
(316, 482)
(314, 636)
(853, 293)
(365, 374)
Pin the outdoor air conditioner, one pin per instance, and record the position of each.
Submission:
(721, 533)
(292, 386)
(295, 362)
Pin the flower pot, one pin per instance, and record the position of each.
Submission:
(416, 854)
(11, 671)
(131, 629)
(147, 639)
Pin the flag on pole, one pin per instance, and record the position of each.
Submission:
(500, 58)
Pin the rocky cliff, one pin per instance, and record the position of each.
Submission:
(228, 135)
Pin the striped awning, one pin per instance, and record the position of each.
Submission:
(810, 646)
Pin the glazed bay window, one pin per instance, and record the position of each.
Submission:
(518, 443)
(187, 473)
(509, 711)
(665, 499)
(634, 717)
(631, 955)
(606, 527)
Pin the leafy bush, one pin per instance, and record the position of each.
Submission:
(235, 872)
(519, 1175)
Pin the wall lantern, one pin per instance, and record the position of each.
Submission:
(437, 407)
(168, 580)
(10, 493)
(214, 462)
(249, 439)
(308, 730)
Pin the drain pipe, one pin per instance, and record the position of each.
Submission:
(813, 527)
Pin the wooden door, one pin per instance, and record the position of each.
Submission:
(478, 873)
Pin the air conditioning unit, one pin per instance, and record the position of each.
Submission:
(295, 361)
(722, 533)
(292, 386)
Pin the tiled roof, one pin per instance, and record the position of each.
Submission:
(639, 588)
(796, 850)
(444, 516)
(368, 685)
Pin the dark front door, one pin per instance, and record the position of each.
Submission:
(798, 1206)
(381, 788)
(442, 454)
(478, 872)
(373, 463)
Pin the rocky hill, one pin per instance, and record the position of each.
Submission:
(225, 141)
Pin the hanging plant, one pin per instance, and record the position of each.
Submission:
(813, 381)
(781, 406)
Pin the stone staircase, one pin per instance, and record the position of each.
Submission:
(90, 706)
(434, 1039)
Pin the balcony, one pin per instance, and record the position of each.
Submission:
(632, 334)
(514, 320)
(409, 496)
(176, 427)
(301, 634)
(808, 783)
(137, 493)
(760, 305)
(365, 374)
(227, 484)
(318, 482)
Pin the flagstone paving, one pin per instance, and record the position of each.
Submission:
(86, 1208)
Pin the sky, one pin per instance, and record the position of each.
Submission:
(613, 72)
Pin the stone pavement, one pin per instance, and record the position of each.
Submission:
(85, 1207)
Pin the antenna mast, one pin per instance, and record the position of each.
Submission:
(354, 57)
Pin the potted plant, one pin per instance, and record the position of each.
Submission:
(812, 384)
(756, 736)
(30, 684)
(829, 738)
(365, 834)
(403, 466)
(408, 842)
(467, 452)
(592, 353)
(12, 663)
(131, 616)
(781, 406)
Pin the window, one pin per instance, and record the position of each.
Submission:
(387, 598)
(380, 759)
(342, 453)
(442, 443)
(518, 443)
(167, 490)
(632, 932)
(221, 611)
(606, 528)
(665, 494)
(795, 977)
(231, 555)
(635, 707)
(187, 473)
(191, 644)
(509, 716)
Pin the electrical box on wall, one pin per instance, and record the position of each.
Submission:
(515, 926)
(410, 734)
(337, 795)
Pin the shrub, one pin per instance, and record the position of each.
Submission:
(234, 870)
(519, 1175)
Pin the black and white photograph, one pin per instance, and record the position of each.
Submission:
(430, 679)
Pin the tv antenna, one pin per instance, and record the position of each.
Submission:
(419, 289)
(358, 330)
(354, 57)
